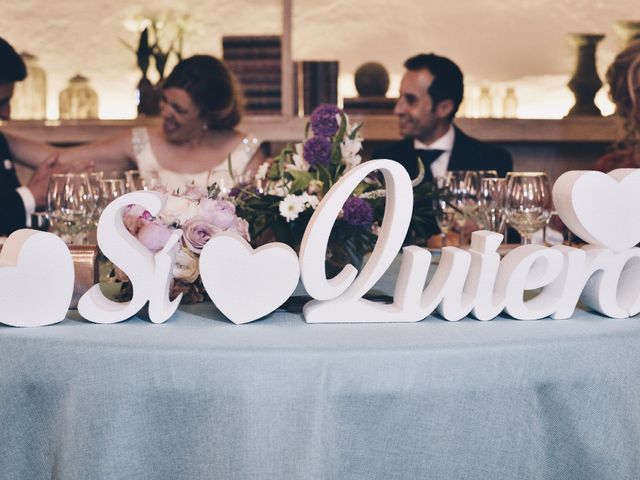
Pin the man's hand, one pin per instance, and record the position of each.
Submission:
(39, 182)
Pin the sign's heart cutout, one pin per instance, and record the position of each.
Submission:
(240, 280)
(602, 209)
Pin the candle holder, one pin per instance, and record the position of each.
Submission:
(585, 82)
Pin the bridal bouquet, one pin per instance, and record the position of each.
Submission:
(286, 191)
(201, 214)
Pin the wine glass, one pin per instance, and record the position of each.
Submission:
(444, 211)
(491, 203)
(111, 188)
(140, 180)
(464, 186)
(71, 205)
(528, 202)
(95, 182)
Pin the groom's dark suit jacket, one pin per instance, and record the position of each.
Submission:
(12, 215)
(468, 153)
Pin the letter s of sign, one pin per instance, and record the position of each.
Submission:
(149, 275)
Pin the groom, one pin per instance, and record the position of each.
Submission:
(17, 203)
(431, 91)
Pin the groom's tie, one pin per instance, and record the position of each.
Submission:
(428, 157)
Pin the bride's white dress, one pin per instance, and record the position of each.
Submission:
(147, 162)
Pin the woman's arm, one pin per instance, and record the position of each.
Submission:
(114, 153)
(28, 152)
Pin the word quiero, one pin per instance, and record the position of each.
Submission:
(247, 284)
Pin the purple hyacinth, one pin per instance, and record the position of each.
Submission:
(317, 151)
(323, 120)
(357, 212)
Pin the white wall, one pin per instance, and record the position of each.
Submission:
(498, 43)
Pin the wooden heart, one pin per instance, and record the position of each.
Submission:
(601, 209)
(247, 284)
(36, 279)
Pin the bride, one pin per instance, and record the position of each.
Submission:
(200, 109)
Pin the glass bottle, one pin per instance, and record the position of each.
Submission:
(485, 103)
(510, 104)
(78, 100)
(29, 100)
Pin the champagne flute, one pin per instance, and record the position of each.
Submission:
(111, 188)
(491, 203)
(445, 213)
(528, 202)
(140, 180)
(95, 182)
(464, 186)
(71, 205)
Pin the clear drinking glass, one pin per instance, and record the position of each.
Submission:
(140, 180)
(111, 188)
(491, 203)
(95, 182)
(445, 213)
(71, 205)
(464, 186)
(528, 203)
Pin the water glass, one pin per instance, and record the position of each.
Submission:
(141, 180)
(111, 188)
(528, 204)
(491, 203)
(71, 205)
(444, 211)
(464, 186)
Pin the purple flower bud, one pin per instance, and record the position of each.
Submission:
(323, 120)
(317, 151)
(357, 212)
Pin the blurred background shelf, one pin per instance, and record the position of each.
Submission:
(552, 146)
(376, 128)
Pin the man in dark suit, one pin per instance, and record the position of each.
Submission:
(18, 202)
(431, 91)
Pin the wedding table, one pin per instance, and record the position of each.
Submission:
(201, 398)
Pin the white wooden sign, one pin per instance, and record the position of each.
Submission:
(150, 275)
(247, 284)
(36, 279)
(241, 280)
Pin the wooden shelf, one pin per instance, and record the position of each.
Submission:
(285, 129)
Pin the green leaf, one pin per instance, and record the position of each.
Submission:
(301, 180)
(355, 131)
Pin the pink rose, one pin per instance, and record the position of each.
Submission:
(220, 213)
(135, 217)
(154, 235)
(197, 232)
(242, 227)
(194, 192)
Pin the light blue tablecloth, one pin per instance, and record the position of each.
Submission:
(200, 398)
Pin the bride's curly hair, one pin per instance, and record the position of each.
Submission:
(623, 77)
(213, 89)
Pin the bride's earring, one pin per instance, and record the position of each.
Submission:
(205, 126)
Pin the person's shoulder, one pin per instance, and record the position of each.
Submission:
(621, 158)
(479, 146)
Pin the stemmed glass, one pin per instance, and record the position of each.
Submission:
(111, 188)
(136, 180)
(465, 189)
(445, 213)
(71, 205)
(528, 204)
(491, 203)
